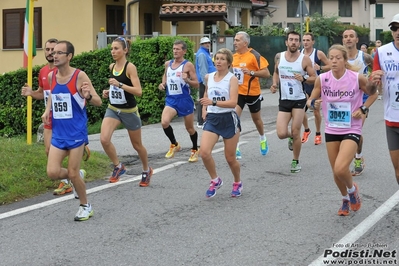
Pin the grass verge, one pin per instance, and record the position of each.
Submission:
(23, 169)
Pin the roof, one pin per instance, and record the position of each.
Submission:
(193, 12)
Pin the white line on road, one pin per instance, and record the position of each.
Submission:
(95, 189)
(362, 228)
(89, 191)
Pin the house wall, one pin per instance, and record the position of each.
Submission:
(389, 10)
(99, 8)
(360, 12)
(72, 21)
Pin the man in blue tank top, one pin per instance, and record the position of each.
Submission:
(71, 90)
(178, 77)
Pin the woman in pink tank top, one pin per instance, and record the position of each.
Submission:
(339, 92)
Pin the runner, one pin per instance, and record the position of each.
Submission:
(122, 109)
(71, 89)
(179, 75)
(221, 119)
(340, 92)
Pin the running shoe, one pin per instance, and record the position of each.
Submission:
(84, 212)
(290, 143)
(305, 136)
(82, 174)
(86, 153)
(379, 97)
(237, 188)
(116, 174)
(238, 154)
(354, 197)
(344, 210)
(173, 148)
(194, 156)
(317, 140)
(264, 147)
(63, 188)
(200, 125)
(358, 166)
(213, 187)
(295, 167)
(146, 178)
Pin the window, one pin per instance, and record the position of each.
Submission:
(378, 32)
(13, 27)
(148, 24)
(345, 8)
(291, 8)
(378, 11)
(115, 20)
(315, 6)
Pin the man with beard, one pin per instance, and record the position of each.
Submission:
(42, 93)
(289, 72)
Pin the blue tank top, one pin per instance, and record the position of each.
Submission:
(69, 110)
(176, 87)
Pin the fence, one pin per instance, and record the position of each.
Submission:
(110, 37)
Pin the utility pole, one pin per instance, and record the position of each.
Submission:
(302, 11)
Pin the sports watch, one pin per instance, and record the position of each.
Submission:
(252, 73)
(214, 102)
(364, 109)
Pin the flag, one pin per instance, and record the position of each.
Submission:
(26, 35)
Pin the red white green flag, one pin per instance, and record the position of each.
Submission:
(26, 35)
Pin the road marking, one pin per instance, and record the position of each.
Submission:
(361, 228)
(95, 189)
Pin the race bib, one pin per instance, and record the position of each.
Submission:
(116, 95)
(174, 87)
(239, 75)
(339, 114)
(46, 94)
(394, 100)
(62, 106)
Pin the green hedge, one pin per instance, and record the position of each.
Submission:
(149, 57)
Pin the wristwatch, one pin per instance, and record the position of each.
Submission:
(305, 77)
(120, 84)
(90, 97)
(214, 102)
(252, 73)
(364, 109)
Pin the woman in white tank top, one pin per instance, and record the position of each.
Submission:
(219, 102)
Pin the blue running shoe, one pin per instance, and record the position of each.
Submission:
(116, 174)
(264, 147)
(238, 154)
(213, 187)
(237, 187)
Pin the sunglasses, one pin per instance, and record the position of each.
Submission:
(394, 28)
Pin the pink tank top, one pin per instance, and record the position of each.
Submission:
(341, 97)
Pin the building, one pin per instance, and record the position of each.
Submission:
(80, 21)
(381, 14)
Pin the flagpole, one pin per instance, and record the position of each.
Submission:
(29, 71)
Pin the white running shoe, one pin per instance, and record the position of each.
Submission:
(84, 212)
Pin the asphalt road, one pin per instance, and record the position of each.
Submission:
(281, 218)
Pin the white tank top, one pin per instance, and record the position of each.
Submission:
(220, 91)
(290, 88)
(388, 57)
(358, 63)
